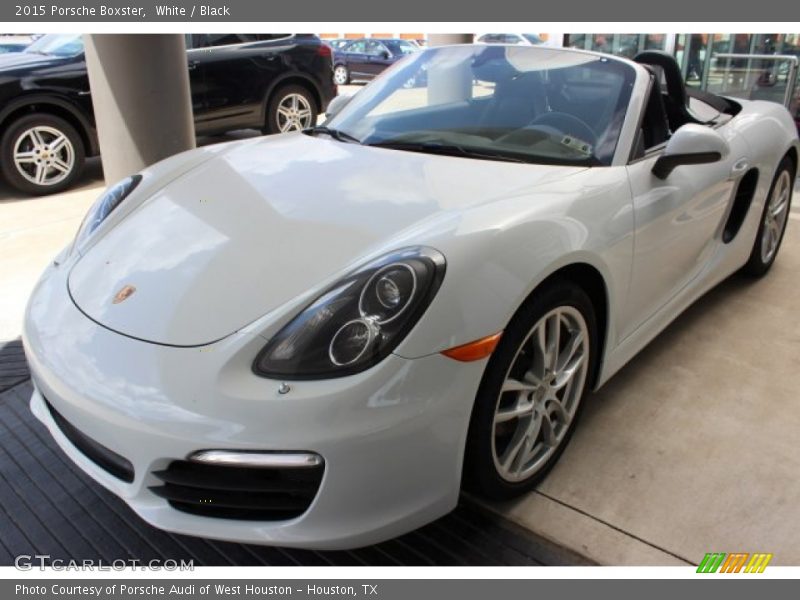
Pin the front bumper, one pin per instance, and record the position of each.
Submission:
(392, 438)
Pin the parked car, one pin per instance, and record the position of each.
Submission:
(274, 83)
(314, 339)
(363, 59)
(15, 43)
(336, 43)
(522, 39)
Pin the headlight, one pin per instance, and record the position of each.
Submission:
(103, 207)
(356, 322)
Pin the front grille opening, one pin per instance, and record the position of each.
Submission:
(244, 493)
(118, 466)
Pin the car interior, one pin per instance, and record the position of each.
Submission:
(671, 104)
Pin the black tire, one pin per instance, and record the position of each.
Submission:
(756, 266)
(480, 473)
(343, 80)
(12, 172)
(280, 96)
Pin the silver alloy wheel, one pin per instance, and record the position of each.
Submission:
(294, 113)
(340, 75)
(44, 155)
(540, 395)
(775, 216)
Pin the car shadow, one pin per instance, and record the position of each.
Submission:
(652, 357)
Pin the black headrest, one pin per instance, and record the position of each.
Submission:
(676, 89)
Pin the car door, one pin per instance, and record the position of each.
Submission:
(357, 59)
(679, 222)
(378, 58)
(235, 71)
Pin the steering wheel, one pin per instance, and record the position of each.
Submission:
(567, 124)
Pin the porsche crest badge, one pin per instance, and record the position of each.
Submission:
(125, 293)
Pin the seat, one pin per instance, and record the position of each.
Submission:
(676, 100)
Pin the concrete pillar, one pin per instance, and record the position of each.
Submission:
(444, 39)
(449, 82)
(141, 97)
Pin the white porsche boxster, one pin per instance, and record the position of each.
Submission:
(315, 339)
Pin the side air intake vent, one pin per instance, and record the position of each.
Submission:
(741, 204)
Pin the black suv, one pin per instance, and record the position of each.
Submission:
(275, 83)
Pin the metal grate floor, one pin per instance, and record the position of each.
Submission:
(48, 506)
(13, 369)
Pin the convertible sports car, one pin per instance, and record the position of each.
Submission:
(314, 339)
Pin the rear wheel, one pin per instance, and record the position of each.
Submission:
(531, 393)
(291, 108)
(773, 221)
(341, 76)
(41, 154)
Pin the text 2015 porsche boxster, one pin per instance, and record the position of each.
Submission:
(314, 339)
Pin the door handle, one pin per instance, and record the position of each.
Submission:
(739, 168)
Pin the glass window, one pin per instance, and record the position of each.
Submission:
(695, 56)
(626, 44)
(621, 44)
(57, 44)
(655, 41)
(374, 48)
(359, 46)
(576, 40)
(492, 38)
(218, 39)
(400, 47)
(602, 42)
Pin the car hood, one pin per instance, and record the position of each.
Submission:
(19, 61)
(254, 227)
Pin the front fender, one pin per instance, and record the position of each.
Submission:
(498, 254)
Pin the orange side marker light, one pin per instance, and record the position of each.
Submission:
(475, 350)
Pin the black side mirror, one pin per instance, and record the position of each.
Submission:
(691, 144)
(667, 163)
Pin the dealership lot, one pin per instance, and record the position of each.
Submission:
(690, 449)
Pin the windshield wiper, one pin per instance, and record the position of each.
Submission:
(337, 134)
(447, 150)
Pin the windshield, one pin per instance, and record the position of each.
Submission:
(57, 45)
(521, 103)
(532, 38)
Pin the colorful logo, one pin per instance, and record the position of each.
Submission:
(737, 562)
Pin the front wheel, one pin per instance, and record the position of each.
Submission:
(41, 154)
(291, 108)
(531, 393)
(773, 222)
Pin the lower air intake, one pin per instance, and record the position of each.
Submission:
(244, 493)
